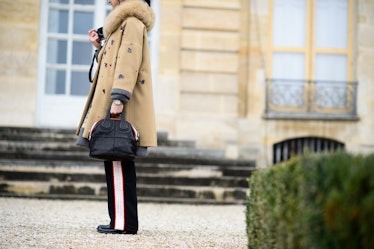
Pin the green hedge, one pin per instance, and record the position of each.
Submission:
(313, 202)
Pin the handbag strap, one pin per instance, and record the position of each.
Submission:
(95, 56)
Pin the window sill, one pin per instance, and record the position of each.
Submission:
(310, 116)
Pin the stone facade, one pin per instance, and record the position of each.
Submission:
(18, 61)
(216, 77)
(211, 77)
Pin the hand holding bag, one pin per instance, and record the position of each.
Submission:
(113, 139)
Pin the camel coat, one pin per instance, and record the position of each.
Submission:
(124, 69)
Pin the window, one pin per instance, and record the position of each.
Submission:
(68, 52)
(310, 59)
(65, 57)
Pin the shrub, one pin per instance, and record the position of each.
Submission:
(313, 201)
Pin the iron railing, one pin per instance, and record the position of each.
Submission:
(286, 149)
(311, 97)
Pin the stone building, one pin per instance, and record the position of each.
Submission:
(259, 79)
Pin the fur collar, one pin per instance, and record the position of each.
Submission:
(129, 8)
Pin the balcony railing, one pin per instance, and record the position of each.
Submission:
(310, 99)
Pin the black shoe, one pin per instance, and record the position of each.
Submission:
(109, 230)
(99, 227)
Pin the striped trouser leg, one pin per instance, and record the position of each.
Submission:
(122, 199)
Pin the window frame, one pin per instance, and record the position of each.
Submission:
(63, 110)
(70, 38)
(310, 51)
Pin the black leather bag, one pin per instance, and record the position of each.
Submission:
(113, 139)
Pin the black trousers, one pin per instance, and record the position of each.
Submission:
(122, 198)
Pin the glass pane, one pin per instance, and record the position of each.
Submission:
(83, 21)
(289, 91)
(289, 23)
(79, 84)
(82, 53)
(57, 51)
(331, 67)
(288, 66)
(332, 23)
(58, 21)
(55, 81)
(85, 2)
(59, 1)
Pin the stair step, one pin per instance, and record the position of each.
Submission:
(196, 177)
(61, 190)
(152, 157)
(46, 163)
(68, 135)
(141, 167)
(36, 134)
(9, 147)
(197, 192)
(143, 199)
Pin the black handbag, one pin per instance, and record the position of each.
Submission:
(113, 139)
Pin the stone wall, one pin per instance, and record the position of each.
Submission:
(18, 61)
(212, 78)
(364, 141)
(199, 70)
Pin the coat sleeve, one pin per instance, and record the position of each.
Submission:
(129, 59)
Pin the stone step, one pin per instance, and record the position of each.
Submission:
(176, 156)
(196, 177)
(52, 144)
(45, 163)
(30, 149)
(164, 193)
(141, 167)
(166, 183)
(40, 135)
(35, 134)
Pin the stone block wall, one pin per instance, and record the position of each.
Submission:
(18, 61)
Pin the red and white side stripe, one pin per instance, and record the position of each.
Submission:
(119, 196)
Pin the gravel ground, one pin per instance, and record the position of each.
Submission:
(30, 223)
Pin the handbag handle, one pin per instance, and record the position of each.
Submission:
(108, 115)
(125, 124)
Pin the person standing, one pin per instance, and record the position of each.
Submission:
(122, 83)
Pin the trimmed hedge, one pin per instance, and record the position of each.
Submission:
(313, 202)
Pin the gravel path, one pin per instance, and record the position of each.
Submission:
(30, 223)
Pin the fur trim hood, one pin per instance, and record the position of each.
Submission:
(129, 8)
